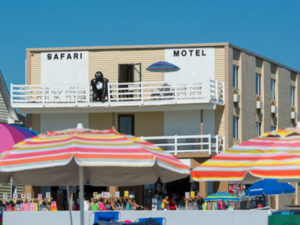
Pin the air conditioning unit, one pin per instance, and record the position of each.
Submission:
(273, 108)
(293, 115)
(259, 104)
(236, 98)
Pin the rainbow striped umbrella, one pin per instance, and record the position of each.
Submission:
(275, 155)
(221, 196)
(108, 158)
(99, 157)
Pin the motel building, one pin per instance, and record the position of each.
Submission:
(221, 95)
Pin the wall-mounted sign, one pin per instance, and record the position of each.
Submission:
(28, 196)
(187, 194)
(23, 195)
(40, 196)
(15, 195)
(117, 194)
(64, 68)
(48, 195)
(196, 64)
(4, 196)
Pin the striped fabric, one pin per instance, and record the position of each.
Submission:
(88, 148)
(221, 196)
(275, 155)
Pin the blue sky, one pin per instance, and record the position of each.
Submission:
(270, 28)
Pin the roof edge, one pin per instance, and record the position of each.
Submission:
(131, 47)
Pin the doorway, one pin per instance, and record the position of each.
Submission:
(129, 73)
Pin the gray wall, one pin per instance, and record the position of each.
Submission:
(192, 217)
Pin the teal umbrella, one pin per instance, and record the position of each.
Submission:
(221, 196)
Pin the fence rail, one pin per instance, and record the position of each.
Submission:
(189, 143)
(119, 93)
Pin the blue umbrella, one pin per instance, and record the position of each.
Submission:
(162, 67)
(221, 196)
(269, 187)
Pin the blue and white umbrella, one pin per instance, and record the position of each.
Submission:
(269, 187)
(162, 67)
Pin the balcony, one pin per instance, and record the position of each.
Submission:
(30, 98)
(190, 145)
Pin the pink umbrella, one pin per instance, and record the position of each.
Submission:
(12, 134)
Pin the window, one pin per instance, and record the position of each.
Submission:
(126, 124)
(258, 128)
(235, 127)
(273, 127)
(258, 84)
(292, 95)
(235, 76)
(272, 89)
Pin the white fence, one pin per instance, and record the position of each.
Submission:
(119, 94)
(189, 143)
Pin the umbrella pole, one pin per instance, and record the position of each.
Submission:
(81, 195)
(70, 205)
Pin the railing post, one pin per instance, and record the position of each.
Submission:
(217, 90)
(176, 93)
(108, 91)
(223, 92)
(43, 94)
(87, 94)
(217, 144)
(117, 88)
(209, 144)
(142, 92)
(76, 94)
(11, 93)
(175, 145)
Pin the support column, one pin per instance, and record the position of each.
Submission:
(203, 189)
(112, 190)
(221, 186)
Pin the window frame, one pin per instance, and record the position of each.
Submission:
(273, 89)
(257, 83)
(235, 127)
(235, 76)
(292, 95)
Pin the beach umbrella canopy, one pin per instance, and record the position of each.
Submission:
(12, 134)
(108, 158)
(275, 154)
(269, 187)
(221, 196)
(97, 157)
(162, 67)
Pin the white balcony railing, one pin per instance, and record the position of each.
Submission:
(119, 94)
(189, 143)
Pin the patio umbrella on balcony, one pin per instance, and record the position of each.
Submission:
(275, 154)
(99, 157)
(162, 67)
